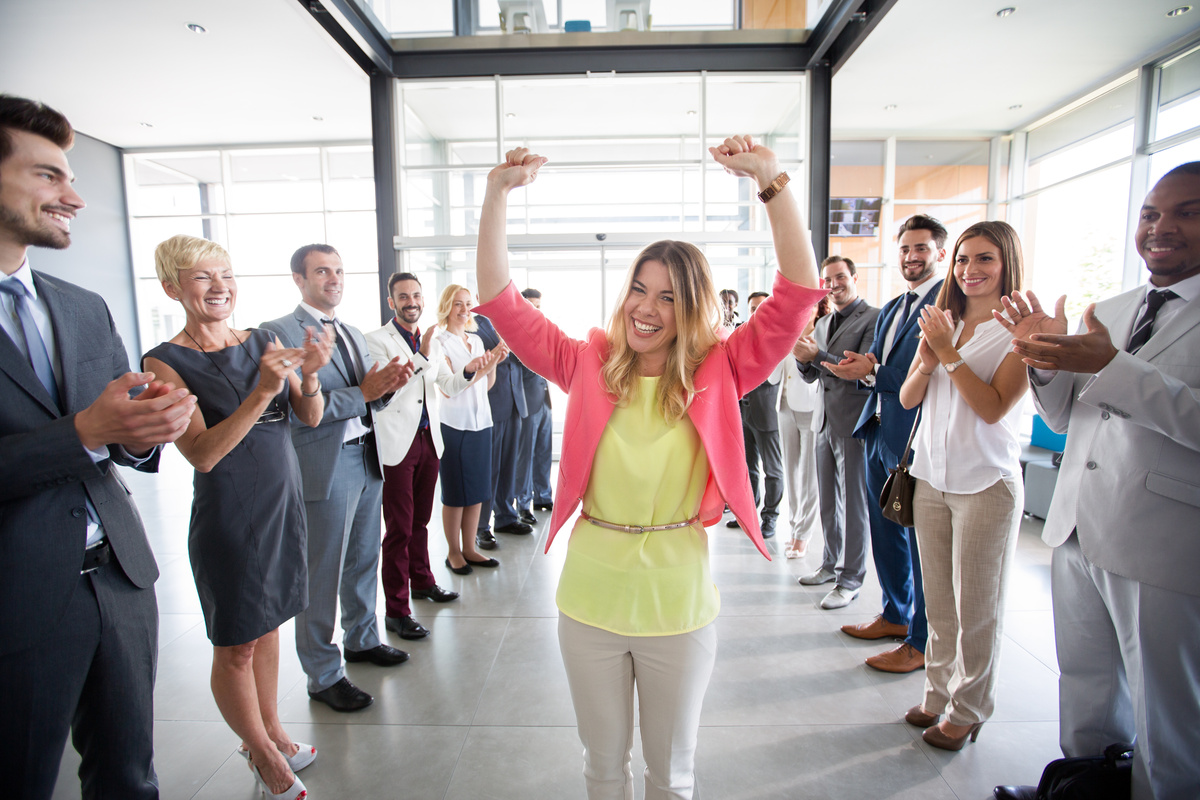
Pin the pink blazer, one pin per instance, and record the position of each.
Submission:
(733, 367)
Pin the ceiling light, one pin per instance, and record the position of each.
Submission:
(1014, 107)
(510, 115)
(318, 118)
(195, 28)
(1006, 12)
(890, 107)
(691, 113)
(1178, 12)
(145, 124)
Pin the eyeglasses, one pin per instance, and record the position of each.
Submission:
(273, 414)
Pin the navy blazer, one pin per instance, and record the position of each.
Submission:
(895, 420)
(508, 392)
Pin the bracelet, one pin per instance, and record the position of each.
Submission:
(923, 372)
(318, 391)
(776, 185)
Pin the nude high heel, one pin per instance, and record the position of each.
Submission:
(934, 736)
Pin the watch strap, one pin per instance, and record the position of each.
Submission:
(776, 185)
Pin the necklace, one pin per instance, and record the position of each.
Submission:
(273, 413)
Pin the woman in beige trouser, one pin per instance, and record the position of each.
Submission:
(966, 457)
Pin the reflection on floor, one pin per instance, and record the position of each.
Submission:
(482, 710)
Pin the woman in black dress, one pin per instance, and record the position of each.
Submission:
(247, 535)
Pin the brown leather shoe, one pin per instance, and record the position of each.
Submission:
(904, 658)
(878, 628)
(917, 717)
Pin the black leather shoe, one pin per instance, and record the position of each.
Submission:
(465, 569)
(514, 527)
(1015, 793)
(381, 655)
(435, 593)
(733, 523)
(407, 627)
(489, 563)
(485, 540)
(343, 696)
(543, 506)
(527, 517)
(768, 533)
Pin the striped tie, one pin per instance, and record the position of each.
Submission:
(1145, 324)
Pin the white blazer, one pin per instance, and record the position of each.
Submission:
(1130, 479)
(801, 395)
(396, 425)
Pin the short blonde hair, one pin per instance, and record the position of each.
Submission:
(446, 304)
(182, 252)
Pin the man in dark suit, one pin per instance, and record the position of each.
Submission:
(884, 426)
(534, 491)
(841, 467)
(507, 399)
(79, 628)
(760, 430)
(343, 487)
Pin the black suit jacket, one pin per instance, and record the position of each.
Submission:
(45, 473)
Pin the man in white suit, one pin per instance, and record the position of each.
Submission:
(341, 475)
(1125, 518)
(410, 444)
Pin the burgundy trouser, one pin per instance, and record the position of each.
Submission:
(407, 506)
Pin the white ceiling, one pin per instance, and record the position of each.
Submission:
(265, 68)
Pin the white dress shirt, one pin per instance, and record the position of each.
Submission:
(470, 410)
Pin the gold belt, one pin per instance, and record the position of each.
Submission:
(612, 526)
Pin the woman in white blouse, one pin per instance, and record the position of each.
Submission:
(465, 469)
(966, 457)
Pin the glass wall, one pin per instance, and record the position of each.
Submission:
(261, 204)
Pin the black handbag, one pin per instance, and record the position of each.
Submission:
(896, 499)
(1105, 777)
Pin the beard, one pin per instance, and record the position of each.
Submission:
(33, 235)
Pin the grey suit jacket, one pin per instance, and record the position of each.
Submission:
(840, 402)
(317, 448)
(45, 473)
(1130, 477)
(759, 407)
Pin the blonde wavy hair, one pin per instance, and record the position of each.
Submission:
(182, 252)
(446, 304)
(697, 316)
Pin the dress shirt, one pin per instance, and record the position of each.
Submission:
(955, 450)
(41, 317)
(413, 340)
(470, 410)
(889, 337)
(354, 425)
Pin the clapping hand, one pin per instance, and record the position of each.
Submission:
(805, 349)
(1085, 353)
(854, 367)
(276, 364)
(318, 347)
(1023, 316)
(937, 331)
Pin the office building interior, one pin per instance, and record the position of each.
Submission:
(371, 125)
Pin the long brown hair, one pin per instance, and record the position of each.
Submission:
(697, 315)
(1002, 235)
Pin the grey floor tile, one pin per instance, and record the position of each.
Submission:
(1005, 753)
(1034, 631)
(527, 684)
(506, 763)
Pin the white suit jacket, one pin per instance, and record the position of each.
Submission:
(801, 395)
(1130, 478)
(396, 425)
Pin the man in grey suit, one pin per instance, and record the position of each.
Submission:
(841, 459)
(79, 628)
(760, 430)
(343, 486)
(1125, 518)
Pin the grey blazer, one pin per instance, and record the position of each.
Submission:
(318, 448)
(1130, 478)
(45, 473)
(840, 402)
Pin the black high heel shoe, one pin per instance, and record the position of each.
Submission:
(465, 569)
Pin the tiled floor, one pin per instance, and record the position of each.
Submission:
(482, 710)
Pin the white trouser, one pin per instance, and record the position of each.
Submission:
(798, 443)
(671, 674)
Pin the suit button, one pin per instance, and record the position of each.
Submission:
(77, 512)
(420, 401)
(1106, 406)
(1092, 465)
(1105, 415)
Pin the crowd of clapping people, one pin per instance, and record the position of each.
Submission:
(304, 432)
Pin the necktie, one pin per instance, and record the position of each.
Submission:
(35, 347)
(343, 349)
(833, 325)
(908, 304)
(1145, 324)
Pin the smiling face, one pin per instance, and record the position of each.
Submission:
(1168, 232)
(460, 311)
(842, 285)
(37, 202)
(207, 291)
(649, 312)
(408, 302)
(322, 281)
(919, 256)
(978, 269)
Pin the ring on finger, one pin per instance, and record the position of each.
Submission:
(286, 363)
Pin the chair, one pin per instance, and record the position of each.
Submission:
(628, 15)
(1041, 467)
(522, 16)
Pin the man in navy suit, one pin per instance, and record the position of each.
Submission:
(534, 491)
(885, 426)
(79, 628)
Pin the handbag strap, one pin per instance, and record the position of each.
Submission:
(911, 435)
